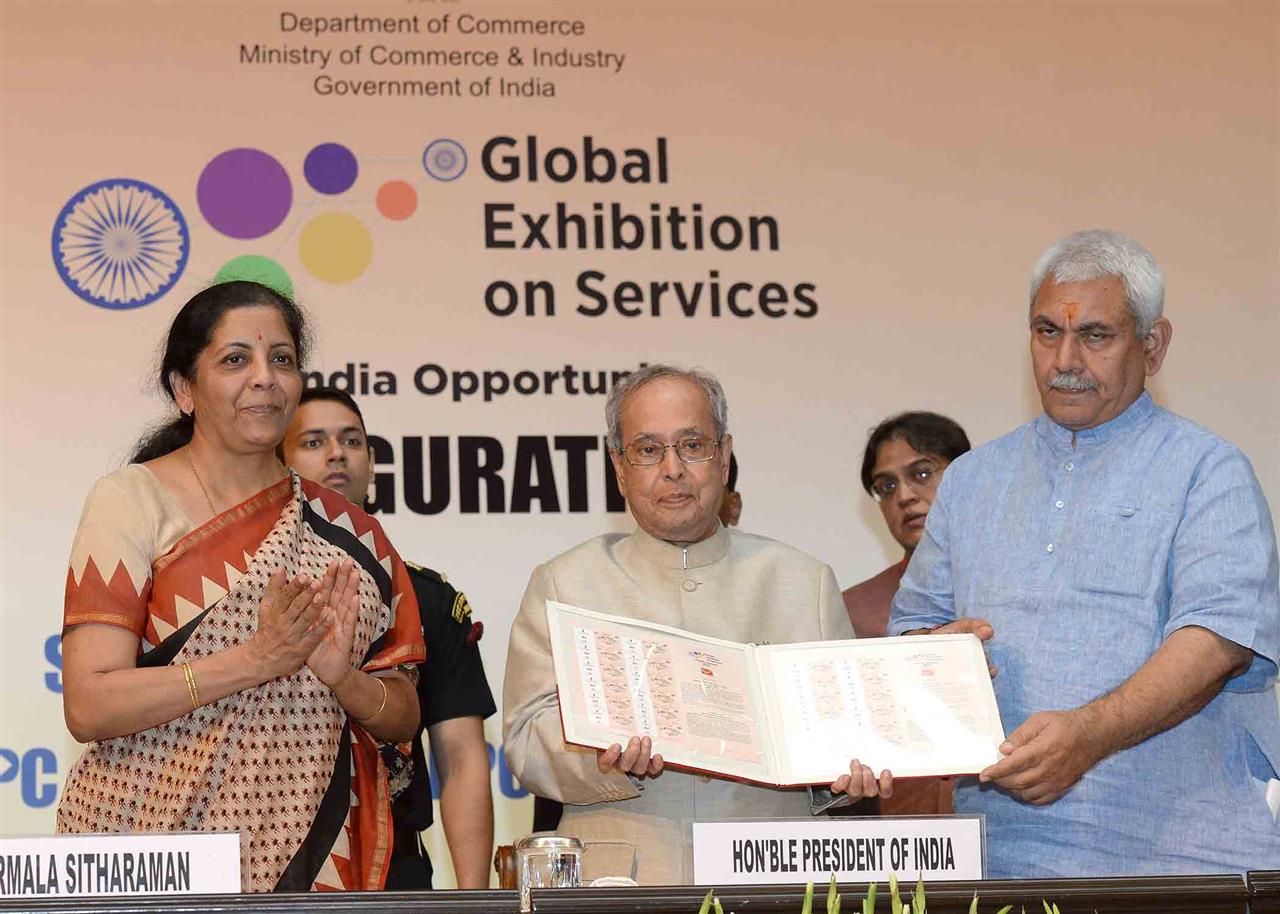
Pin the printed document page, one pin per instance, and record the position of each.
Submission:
(696, 697)
(915, 705)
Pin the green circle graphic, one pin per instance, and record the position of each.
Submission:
(259, 269)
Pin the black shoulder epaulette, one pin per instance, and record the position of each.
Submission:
(423, 570)
(439, 589)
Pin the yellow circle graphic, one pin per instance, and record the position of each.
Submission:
(335, 247)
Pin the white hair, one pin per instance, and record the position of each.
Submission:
(1098, 253)
(642, 376)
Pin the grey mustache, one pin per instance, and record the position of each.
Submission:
(1066, 380)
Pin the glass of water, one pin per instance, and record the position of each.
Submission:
(547, 862)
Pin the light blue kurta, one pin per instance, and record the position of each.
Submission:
(1085, 556)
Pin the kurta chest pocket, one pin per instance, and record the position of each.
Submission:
(1123, 548)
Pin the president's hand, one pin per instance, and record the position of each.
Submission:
(861, 782)
(1046, 756)
(636, 759)
(968, 626)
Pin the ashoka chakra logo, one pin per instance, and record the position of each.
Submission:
(120, 243)
(445, 160)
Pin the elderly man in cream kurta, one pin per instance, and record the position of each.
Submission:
(667, 429)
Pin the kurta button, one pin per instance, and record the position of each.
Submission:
(1126, 512)
(1048, 548)
(689, 585)
(1070, 467)
(1059, 503)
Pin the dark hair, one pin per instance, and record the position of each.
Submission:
(928, 433)
(732, 485)
(333, 395)
(189, 335)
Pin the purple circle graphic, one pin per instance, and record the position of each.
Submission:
(330, 168)
(244, 193)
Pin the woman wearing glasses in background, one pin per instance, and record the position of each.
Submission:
(905, 458)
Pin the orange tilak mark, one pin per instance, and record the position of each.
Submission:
(1071, 312)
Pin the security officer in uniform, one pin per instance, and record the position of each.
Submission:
(326, 442)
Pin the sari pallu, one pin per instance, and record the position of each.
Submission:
(281, 763)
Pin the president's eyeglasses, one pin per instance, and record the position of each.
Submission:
(689, 450)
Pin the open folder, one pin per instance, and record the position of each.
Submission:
(785, 715)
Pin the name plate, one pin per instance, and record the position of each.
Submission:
(762, 851)
(154, 864)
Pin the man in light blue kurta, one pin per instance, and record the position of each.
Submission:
(1121, 563)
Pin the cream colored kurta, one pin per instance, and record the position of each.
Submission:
(734, 585)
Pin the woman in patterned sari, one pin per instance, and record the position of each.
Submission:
(237, 641)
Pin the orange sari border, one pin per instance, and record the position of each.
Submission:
(117, 620)
(407, 653)
(279, 492)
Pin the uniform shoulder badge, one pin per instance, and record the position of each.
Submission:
(461, 608)
(462, 612)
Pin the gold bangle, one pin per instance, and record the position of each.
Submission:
(190, 676)
(374, 716)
